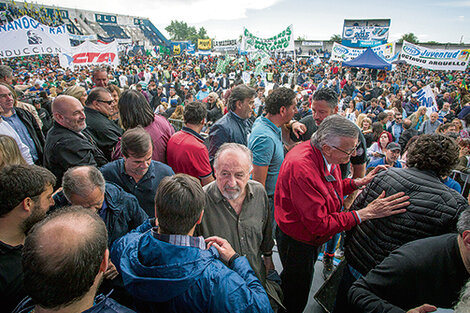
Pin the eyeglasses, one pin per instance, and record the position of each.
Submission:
(107, 102)
(348, 153)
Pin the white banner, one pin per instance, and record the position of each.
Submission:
(426, 98)
(435, 59)
(284, 41)
(26, 36)
(89, 53)
(342, 53)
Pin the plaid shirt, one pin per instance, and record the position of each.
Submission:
(180, 240)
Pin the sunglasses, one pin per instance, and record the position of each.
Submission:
(107, 102)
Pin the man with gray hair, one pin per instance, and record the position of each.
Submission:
(85, 186)
(120, 211)
(233, 126)
(308, 198)
(237, 209)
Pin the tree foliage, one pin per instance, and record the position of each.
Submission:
(336, 38)
(180, 31)
(410, 37)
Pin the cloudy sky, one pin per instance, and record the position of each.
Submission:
(431, 20)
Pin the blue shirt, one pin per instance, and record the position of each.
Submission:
(451, 183)
(265, 142)
(381, 161)
(15, 122)
(145, 189)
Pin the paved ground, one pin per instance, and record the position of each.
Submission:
(312, 305)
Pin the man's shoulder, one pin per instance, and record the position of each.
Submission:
(111, 167)
(161, 168)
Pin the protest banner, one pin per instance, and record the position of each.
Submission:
(343, 53)
(176, 49)
(224, 45)
(435, 59)
(26, 36)
(426, 98)
(89, 53)
(284, 41)
(204, 44)
(365, 33)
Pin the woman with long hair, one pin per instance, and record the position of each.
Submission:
(215, 107)
(9, 152)
(377, 150)
(419, 117)
(78, 92)
(134, 111)
(115, 92)
(350, 112)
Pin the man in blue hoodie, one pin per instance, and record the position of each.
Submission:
(166, 269)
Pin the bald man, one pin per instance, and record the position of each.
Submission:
(67, 143)
(64, 260)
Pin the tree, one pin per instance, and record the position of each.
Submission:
(336, 38)
(180, 31)
(300, 38)
(410, 37)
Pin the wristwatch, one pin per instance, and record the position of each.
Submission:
(232, 259)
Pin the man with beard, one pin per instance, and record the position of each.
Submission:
(237, 209)
(392, 153)
(68, 144)
(25, 197)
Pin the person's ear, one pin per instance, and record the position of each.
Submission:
(27, 204)
(200, 218)
(326, 150)
(105, 261)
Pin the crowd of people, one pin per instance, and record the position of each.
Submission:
(164, 185)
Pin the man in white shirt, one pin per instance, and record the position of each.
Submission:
(6, 129)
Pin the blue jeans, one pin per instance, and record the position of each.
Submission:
(330, 245)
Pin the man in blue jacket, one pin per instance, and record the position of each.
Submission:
(166, 269)
(234, 126)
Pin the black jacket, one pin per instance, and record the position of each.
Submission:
(429, 270)
(33, 129)
(105, 132)
(434, 209)
(65, 148)
(11, 276)
(405, 136)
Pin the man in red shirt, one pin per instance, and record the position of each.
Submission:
(308, 199)
(186, 152)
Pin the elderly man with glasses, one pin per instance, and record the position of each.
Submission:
(105, 132)
(308, 199)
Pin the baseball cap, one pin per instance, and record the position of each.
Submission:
(393, 146)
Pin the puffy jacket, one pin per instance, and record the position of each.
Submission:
(123, 212)
(163, 277)
(434, 209)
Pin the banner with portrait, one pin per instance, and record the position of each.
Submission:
(26, 36)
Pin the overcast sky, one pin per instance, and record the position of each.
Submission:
(431, 20)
